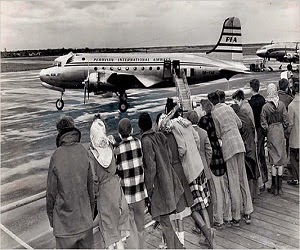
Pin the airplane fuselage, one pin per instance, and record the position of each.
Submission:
(70, 74)
(283, 52)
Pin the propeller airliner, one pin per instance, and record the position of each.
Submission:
(119, 72)
(282, 52)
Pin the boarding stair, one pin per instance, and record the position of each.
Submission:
(183, 91)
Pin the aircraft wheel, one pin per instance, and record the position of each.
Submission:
(123, 106)
(60, 104)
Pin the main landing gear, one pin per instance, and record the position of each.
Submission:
(123, 105)
(60, 103)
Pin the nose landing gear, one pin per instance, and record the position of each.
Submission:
(60, 103)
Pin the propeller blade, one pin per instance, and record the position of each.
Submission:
(84, 94)
(88, 90)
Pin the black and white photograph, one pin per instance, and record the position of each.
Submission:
(152, 124)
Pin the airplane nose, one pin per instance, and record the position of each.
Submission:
(260, 53)
(42, 75)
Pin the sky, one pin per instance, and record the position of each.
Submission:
(111, 24)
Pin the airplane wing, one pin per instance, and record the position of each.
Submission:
(121, 80)
(235, 70)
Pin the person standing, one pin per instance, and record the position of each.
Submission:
(186, 200)
(205, 153)
(283, 92)
(293, 113)
(227, 126)
(220, 195)
(163, 185)
(248, 134)
(113, 212)
(70, 193)
(257, 101)
(188, 142)
(129, 160)
(274, 121)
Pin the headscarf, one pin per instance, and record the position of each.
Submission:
(272, 94)
(100, 143)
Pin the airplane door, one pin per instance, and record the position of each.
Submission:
(176, 67)
(167, 74)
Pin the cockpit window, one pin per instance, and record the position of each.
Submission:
(56, 63)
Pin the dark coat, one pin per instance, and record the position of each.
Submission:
(70, 193)
(162, 183)
(186, 199)
(257, 101)
(248, 134)
(285, 98)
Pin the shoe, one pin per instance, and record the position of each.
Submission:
(235, 223)
(196, 230)
(218, 225)
(227, 223)
(293, 182)
(247, 218)
(273, 188)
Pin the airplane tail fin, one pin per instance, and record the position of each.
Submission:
(229, 46)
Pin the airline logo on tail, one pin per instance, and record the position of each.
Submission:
(229, 45)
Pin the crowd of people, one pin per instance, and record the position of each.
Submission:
(208, 163)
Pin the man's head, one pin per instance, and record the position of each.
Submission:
(65, 123)
(283, 84)
(206, 106)
(238, 97)
(145, 122)
(254, 85)
(125, 128)
(192, 116)
(213, 97)
(221, 95)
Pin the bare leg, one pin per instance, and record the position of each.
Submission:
(205, 228)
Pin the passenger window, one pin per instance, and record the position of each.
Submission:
(103, 68)
(143, 68)
(111, 68)
(150, 68)
(127, 68)
(135, 68)
(158, 68)
(119, 68)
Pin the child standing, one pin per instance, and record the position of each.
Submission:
(129, 160)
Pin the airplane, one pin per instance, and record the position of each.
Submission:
(119, 72)
(282, 52)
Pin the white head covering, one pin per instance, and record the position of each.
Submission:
(100, 143)
(272, 94)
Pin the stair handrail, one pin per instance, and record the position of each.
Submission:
(186, 85)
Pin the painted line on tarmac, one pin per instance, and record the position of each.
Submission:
(15, 237)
